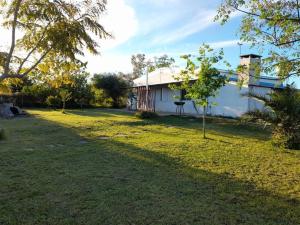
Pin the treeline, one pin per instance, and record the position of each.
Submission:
(67, 85)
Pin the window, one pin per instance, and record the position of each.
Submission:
(183, 95)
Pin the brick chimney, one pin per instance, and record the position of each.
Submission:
(251, 64)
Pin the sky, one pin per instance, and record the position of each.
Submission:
(158, 27)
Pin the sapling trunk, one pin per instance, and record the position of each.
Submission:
(203, 121)
(64, 106)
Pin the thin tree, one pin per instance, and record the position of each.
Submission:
(200, 79)
(65, 96)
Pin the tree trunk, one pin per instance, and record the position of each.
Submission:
(203, 121)
(64, 106)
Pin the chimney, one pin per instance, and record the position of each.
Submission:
(251, 66)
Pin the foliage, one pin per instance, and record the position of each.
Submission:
(37, 93)
(207, 80)
(114, 87)
(49, 29)
(100, 98)
(160, 168)
(269, 23)
(65, 96)
(283, 110)
(139, 64)
(146, 115)
(53, 101)
(161, 62)
(57, 74)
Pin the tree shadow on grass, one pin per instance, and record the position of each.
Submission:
(231, 128)
(217, 126)
(100, 112)
(87, 181)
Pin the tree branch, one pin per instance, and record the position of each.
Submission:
(36, 63)
(33, 49)
(296, 20)
(287, 42)
(13, 37)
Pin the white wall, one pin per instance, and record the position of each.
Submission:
(230, 101)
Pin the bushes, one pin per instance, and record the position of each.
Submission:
(114, 87)
(146, 115)
(53, 101)
(282, 112)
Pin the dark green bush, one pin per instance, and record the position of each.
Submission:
(146, 115)
(282, 112)
(2, 134)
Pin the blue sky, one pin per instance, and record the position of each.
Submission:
(157, 27)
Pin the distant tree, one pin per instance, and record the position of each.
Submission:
(65, 96)
(207, 79)
(273, 26)
(139, 64)
(48, 29)
(113, 86)
(53, 101)
(161, 62)
(283, 112)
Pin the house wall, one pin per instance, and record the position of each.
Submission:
(231, 101)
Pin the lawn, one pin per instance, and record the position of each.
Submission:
(108, 167)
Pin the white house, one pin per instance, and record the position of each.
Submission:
(232, 100)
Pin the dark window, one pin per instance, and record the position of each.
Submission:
(183, 95)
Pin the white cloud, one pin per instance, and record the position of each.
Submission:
(109, 63)
(197, 23)
(224, 44)
(120, 21)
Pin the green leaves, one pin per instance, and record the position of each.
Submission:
(283, 110)
(57, 28)
(271, 26)
(202, 83)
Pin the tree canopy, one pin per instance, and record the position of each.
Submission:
(139, 64)
(114, 86)
(48, 29)
(269, 25)
(161, 62)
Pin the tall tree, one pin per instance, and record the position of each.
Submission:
(203, 83)
(161, 62)
(139, 64)
(272, 25)
(48, 29)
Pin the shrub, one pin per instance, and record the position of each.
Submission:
(53, 101)
(113, 86)
(146, 115)
(282, 112)
(2, 134)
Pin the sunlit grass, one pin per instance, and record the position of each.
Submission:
(108, 167)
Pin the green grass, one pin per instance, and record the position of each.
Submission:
(108, 167)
